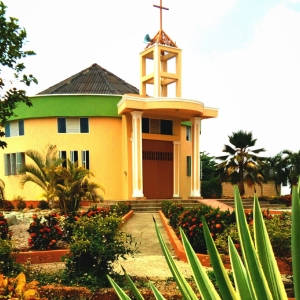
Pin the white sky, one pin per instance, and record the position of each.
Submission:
(240, 56)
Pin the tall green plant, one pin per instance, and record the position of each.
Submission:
(256, 275)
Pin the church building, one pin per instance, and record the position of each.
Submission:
(137, 146)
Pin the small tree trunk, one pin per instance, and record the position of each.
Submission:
(242, 187)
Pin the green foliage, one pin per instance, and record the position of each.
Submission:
(191, 223)
(165, 207)
(121, 208)
(211, 189)
(286, 199)
(12, 40)
(73, 186)
(8, 265)
(173, 213)
(44, 232)
(255, 277)
(7, 205)
(279, 231)
(43, 205)
(5, 233)
(96, 243)
(241, 164)
(21, 205)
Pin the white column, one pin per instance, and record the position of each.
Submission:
(137, 159)
(176, 164)
(195, 176)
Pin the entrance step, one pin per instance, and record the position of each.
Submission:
(151, 205)
(248, 204)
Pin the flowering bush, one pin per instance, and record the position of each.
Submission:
(95, 244)
(44, 232)
(7, 205)
(5, 233)
(121, 208)
(173, 212)
(191, 223)
(43, 204)
(279, 230)
(286, 199)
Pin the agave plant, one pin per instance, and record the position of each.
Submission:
(256, 274)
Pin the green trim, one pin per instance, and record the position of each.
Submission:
(187, 123)
(69, 106)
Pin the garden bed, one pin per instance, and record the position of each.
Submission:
(50, 256)
(284, 267)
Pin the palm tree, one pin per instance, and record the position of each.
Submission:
(42, 170)
(75, 186)
(292, 162)
(241, 164)
(2, 198)
(275, 169)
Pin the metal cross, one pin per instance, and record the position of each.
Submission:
(161, 8)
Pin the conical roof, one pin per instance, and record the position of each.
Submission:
(93, 80)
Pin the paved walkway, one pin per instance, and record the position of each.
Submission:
(150, 261)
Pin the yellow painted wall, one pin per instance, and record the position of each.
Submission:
(103, 141)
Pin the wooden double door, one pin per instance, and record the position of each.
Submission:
(157, 169)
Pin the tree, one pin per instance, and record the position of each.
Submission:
(210, 185)
(275, 169)
(241, 164)
(11, 55)
(75, 186)
(43, 171)
(292, 165)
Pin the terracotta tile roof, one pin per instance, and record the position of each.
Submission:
(93, 80)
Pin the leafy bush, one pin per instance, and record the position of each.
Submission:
(44, 232)
(286, 199)
(173, 212)
(278, 228)
(43, 204)
(21, 205)
(211, 189)
(165, 206)
(5, 233)
(191, 223)
(8, 206)
(8, 265)
(121, 208)
(95, 244)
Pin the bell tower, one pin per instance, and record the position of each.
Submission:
(160, 51)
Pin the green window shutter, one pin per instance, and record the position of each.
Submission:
(61, 125)
(84, 125)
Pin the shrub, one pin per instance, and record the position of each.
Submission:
(165, 207)
(5, 233)
(8, 206)
(21, 205)
(121, 208)
(96, 243)
(286, 199)
(211, 189)
(43, 204)
(8, 265)
(279, 230)
(173, 213)
(44, 232)
(191, 223)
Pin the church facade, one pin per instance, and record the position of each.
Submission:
(137, 146)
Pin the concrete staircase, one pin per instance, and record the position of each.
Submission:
(248, 204)
(148, 206)
(154, 205)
